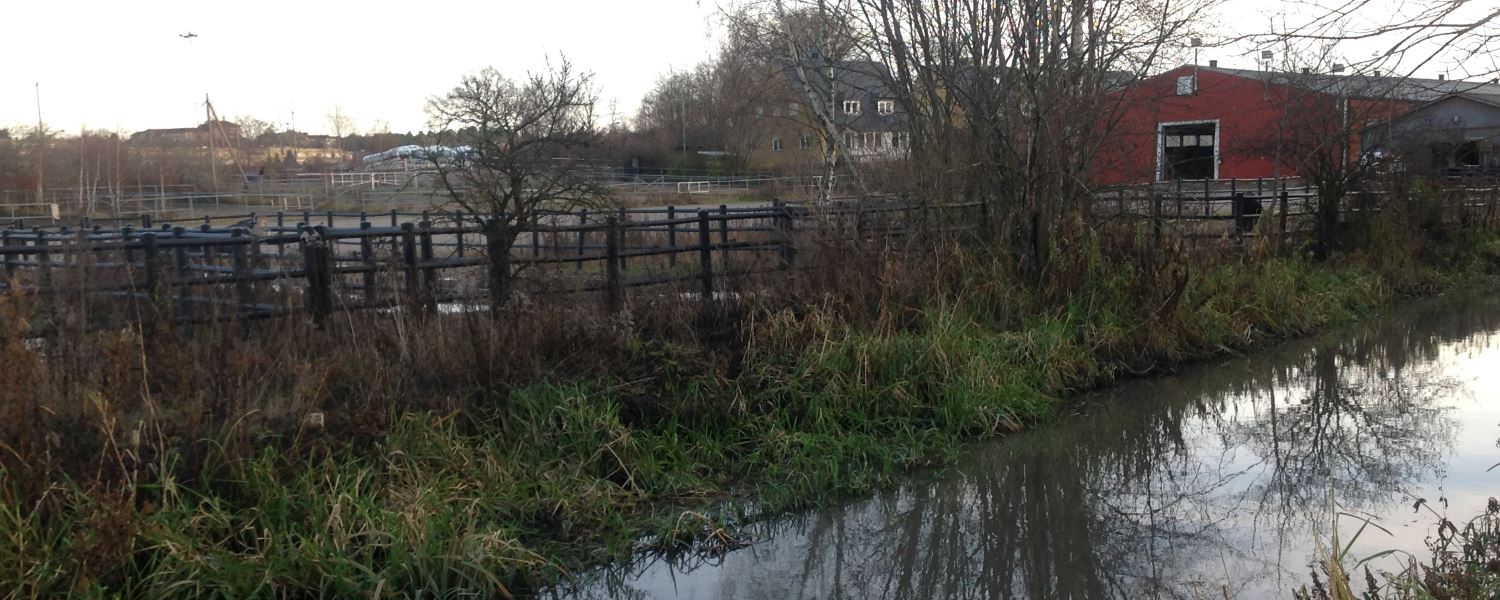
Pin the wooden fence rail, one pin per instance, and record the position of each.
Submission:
(212, 271)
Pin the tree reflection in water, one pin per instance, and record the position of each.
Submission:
(1191, 486)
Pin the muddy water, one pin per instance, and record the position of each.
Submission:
(1213, 483)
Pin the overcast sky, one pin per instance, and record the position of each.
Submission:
(115, 64)
(111, 64)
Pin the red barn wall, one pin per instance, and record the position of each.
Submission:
(1247, 111)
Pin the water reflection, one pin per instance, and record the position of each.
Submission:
(1212, 483)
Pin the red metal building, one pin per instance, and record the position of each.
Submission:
(1208, 122)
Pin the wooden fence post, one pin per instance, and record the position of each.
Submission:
(208, 251)
(1281, 238)
(1155, 220)
(409, 262)
(43, 258)
(429, 276)
(317, 261)
(152, 266)
(786, 251)
(583, 236)
(1237, 213)
(367, 256)
(180, 264)
(1207, 196)
(724, 235)
(10, 264)
(127, 233)
(672, 236)
(705, 258)
(614, 289)
(1179, 200)
(243, 288)
(620, 223)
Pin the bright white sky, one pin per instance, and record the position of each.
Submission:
(120, 65)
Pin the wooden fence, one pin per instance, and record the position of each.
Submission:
(250, 267)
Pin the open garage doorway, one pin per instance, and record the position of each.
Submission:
(1187, 150)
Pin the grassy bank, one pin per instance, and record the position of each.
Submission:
(388, 453)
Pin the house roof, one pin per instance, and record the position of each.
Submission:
(863, 80)
(1368, 86)
(1490, 100)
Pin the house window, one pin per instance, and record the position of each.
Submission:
(1187, 85)
(1188, 151)
(902, 139)
(885, 107)
(871, 139)
(803, 142)
(776, 143)
(851, 107)
(851, 141)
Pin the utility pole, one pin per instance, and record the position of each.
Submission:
(213, 159)
(41, 137)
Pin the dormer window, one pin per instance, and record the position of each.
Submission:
(851, 107)
(885, 107)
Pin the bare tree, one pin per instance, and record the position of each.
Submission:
(340, 123)
(1324, 115)
(1317, 130)
(1406, 36)
(252, 128)
(10, 161)
(517, 149)
(1011, 101)
(803, 45)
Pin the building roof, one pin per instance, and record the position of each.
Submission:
(1413, 89)
(1490, 99)
(863, 80)
(223, 125)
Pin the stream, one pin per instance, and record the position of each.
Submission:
(1218, 482)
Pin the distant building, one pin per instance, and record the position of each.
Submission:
(1200, 122)
(190, 136)
(872, 121)
(300, 139)
(1454, 135)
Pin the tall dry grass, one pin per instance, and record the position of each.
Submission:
(391, 451)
